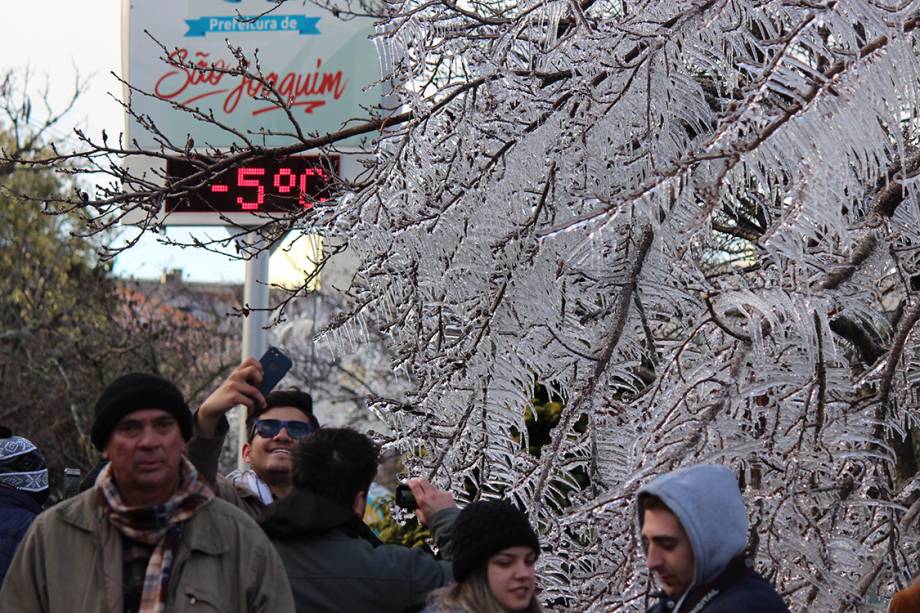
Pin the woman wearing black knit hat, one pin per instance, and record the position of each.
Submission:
(494, 551)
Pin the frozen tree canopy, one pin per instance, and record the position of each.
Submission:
(696, 223)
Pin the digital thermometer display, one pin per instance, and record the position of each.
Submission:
(264, 186)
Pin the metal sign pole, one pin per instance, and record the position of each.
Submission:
(255, 297)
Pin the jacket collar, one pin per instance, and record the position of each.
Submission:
(201, 534)
(736, 570)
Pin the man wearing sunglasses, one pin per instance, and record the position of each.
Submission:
(274, 424)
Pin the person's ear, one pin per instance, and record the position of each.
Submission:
(360, 504)
(246, 449)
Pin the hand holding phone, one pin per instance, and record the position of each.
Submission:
(239, 388)
(425, 498)
(274, 366)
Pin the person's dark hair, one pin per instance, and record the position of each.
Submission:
(336, 463)
(283, 398)
(653, 502)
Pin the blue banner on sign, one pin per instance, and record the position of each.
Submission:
(267, 23)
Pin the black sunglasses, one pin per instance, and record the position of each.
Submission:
(269, 428)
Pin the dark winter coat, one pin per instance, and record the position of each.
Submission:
(737, 589)
(335, 563)
(17, 510)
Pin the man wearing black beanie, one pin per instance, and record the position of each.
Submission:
(137, 391)
(148, 520)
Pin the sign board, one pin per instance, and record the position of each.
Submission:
(323, 66)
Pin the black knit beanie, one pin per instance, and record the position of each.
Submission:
(133, 392)
(485, 528)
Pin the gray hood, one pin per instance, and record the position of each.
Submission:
(707, 501)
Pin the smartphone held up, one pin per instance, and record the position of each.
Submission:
(404, 497)
(274, 366)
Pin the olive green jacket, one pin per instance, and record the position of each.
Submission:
(71, 560)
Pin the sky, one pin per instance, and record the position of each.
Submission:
(61, 39)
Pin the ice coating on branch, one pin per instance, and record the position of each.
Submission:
(697, 223)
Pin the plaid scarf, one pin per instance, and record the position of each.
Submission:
(158, 525)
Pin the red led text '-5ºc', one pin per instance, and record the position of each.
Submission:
(268, 185)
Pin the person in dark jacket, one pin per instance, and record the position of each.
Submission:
(694, 531)
(333, 560)
(23, 491)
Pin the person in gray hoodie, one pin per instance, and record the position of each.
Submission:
(694, 531)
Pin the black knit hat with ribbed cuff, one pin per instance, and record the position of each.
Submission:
(133, 392)
(483, 529)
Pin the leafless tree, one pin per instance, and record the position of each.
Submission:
(67, 327)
